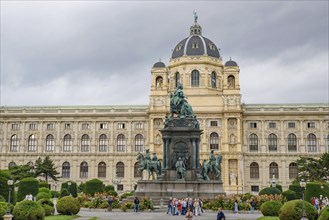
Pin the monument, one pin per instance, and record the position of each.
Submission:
(181, 174)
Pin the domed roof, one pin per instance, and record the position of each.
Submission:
(231, 63)
(159, 65)
(195, 45)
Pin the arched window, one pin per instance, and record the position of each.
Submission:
(136, 172)
(66, 170)
(120, 169)
(231, 82)
(213, 80)
(272, 142)
(121, 143)
(195, 78)
(293, 171)
(214, 141)
(177, 79)
(50, 142)
(85, 143)
(139, 143)
(254, 170)
(67, 143)
(11, 165)
(102, 143)
(311, 143)
(14, 143)
(159, 82)
(32, 143)
(274, 170)
(292, 142)
(253, 142)
(84, 170)
(101, 170)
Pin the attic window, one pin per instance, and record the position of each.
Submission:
(195, 45)
(179, 47)
(211, 47)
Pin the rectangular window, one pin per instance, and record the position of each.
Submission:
(121, 125)
(50, 126)
(252, 125)
(14, 126)
(213, 123)
(85, 126)
(103, 126)
(291, 124)
(120, 187)
(254, 188)
(311, 124)
(32, 126)
(272, 125)
(67, 126)
(139, 125)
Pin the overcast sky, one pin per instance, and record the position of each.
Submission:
(102, 52)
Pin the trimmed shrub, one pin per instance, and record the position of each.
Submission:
(279, 187)
(324, 214)
(2, 199)
(48, 206)
(4, 177)
(112, 193)
(27, 186)
(271, 208)
(108, 188)
(289, 194)
(293, 210)
(45, 190)
(64, 192)
(297, 189)
(81, 187)
(44, 184)
(3, 209)
(72, 189)
(269, 191)
(68, 205)
(315, 189)
(54, 194)
(28, 210)
(43, 195)
(93, 186)
(146, 203)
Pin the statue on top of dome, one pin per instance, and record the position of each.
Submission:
(195, 17)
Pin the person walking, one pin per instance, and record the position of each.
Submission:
(252, 206)
(236, 207)
(170, 206)
(110, 202)
(220, 214)
(136, 204)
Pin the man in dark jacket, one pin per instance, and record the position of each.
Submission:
(136, 204)
(220, 214)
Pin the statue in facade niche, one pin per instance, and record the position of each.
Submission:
(180, 169)
(179, 104)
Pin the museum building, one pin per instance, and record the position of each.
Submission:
(259, 143)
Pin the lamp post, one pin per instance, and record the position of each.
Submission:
(10, 184)
(302, 184)
(69, 185)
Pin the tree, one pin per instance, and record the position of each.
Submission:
(46, 168)
(20, 172)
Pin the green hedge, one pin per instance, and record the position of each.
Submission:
(4, 177)
(315, 189)
(289, 194)
(109, 188)
(3, 209)
(43, 195)
(68, 205)
(297, 189)
(271, 208)
(27, 186)
(64, 192)
(293, 210)
(44, 184)
(73, 188)
(93, 186)
(324, 214)
(270, 191)
(48, 206)
(45, 190)
(28, 210)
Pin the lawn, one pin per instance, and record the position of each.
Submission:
(268, 218)
(61, 217)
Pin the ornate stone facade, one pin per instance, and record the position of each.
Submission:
(256, 141)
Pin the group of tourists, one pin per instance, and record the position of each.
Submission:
(320, 202)
(183, 206)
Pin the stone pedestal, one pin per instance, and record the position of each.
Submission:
(8, 217)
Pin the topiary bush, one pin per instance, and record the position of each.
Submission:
(43, 195)
(81, 187)
(64, 192)
(72, 189)
(28, 210)
(68, 205)
(315, 189)
(297, 189)
(293, 210)
(45, 190)
(44, 184)
(324, 214)
(54, 194)
(27, 186)
(3, 209)
(270, 191)
(289, 194)
(48, 206)
(109, 188)
(271, 208)
(93, 186)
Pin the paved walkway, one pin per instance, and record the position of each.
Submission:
(129, 215)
